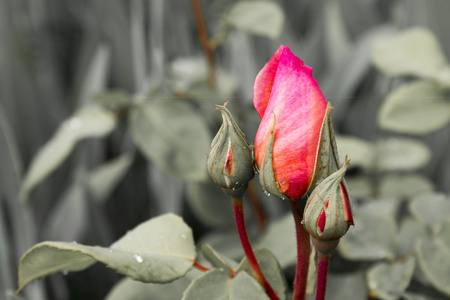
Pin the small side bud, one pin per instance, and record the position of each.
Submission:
(328, 212)
(327, 158)
(230, 159)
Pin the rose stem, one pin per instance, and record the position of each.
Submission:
(303, 253)
(322, 271)
(240, 223)
(256, 203)
(203, 36)
(200, 267)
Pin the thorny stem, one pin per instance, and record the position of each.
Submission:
(240, 223)
(256, 203)
(303, 253)
(203, 36)
(322, 272)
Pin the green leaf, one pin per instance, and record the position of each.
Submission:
(405, 185)
(215, 259)
(270, 268)
(68, 219)
(444, 232)
(210, 204)
(412, 52)
(402, 154)
(431, 210)
(372, 238)
(360, 186)
(226, 242)
(344, 286)
(389, 280)
(103, 179)
(167, 191)
(172, 135)
(113, 100)
(94, 78)
(134, 290)
(414, 296)
(187, 71)
(264, 18)
(360, 152)
(432, 256)
(416, 108)
(159, 251)
(216, 284)
(409, 233)
(88, 122)
(280, 239)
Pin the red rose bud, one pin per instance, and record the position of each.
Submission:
(328, 212)
(230, 159)
(292, 110)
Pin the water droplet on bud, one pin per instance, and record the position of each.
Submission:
(138, 258)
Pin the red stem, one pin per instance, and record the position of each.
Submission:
(203, 36)
(322, 272)
(303, 253)
(200, 267)
(240, 223)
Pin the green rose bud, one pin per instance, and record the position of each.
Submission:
(230, 159)
(328, 212)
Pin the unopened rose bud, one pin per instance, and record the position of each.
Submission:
(230, 159)
(328, 212)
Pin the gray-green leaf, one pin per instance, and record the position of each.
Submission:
(173, 136)
(215, 259)
(68, 219)
(430, 209)
(217, 285)
(404, 185)
(373, 237)
(433, 257)
(402, 154)
(271, 270)
(88, 122)
(416, 108)
(264, 18)
(134, 290)
(210, 204)
(360, 152)
(279, 238)
(409, 233)
(412, 52)
(159, 251)
(103, 179)
(389, 280)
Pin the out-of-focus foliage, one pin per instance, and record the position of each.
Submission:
(106, 116)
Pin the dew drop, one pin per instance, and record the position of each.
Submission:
(65, 272)
(302, 222)
(138, 258)
(183, 236)
(74, 243)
